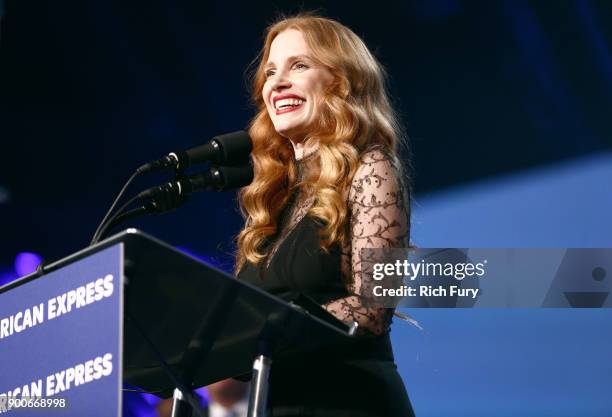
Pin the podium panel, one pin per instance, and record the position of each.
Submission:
(61, 337)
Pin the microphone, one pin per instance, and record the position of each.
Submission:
(231, 150)
(214, 179)
(228, 149)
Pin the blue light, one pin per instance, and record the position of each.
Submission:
(26, 263)
(205, 258)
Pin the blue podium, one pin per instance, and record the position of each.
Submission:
(134, 310)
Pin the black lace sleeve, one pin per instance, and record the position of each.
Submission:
(379, 219)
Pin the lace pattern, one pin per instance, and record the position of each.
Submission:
(378, 219)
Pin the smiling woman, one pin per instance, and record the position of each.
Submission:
(327, 184)
(294, 87)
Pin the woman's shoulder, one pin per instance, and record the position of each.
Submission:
(377, 158)
(374, 154)
(377, 162)
(378, 172)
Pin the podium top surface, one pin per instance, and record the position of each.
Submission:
(131, 236)
(206, 324)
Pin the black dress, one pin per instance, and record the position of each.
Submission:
(360, 377)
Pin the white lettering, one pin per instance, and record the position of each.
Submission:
(80, 297)
(71, 300)
(21, 321)
(79, 374)
(39, 314)
(108, 285)
(107, 364)
(18, 327)
(90, 290)
(61, 305)
(4, 328)
(464, 292)
(51, 306)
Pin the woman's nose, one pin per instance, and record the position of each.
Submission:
(281, 82)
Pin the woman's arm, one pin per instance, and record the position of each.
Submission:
(379, 219)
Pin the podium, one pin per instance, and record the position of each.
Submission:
(132, 309)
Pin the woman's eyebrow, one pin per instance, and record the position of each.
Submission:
(291, 58)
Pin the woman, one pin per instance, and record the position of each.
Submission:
(327, 184)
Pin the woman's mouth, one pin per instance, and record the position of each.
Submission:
(287, 105)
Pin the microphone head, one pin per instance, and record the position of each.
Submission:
(234, 177)
(229, 149)
(234, 148)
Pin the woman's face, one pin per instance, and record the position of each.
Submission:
(294, 85)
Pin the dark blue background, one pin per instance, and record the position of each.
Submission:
(507, 105)
(91, 89)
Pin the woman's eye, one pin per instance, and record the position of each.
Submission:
(269, 73)
(300, 65)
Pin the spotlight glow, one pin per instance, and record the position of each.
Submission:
(4, 195)
(26, 263)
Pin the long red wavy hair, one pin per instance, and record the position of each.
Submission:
(356, 114)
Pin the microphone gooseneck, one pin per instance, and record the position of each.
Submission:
(232, 169)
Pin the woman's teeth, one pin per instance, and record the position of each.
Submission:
(288, 102)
